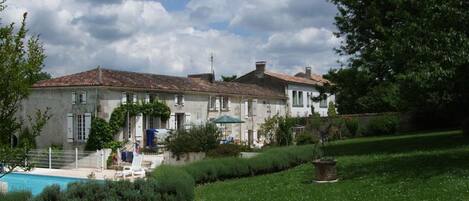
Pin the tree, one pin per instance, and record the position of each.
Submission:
(331, 111)
(228, 78)
(415, 49)
(21, 60)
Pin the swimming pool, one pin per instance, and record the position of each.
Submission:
(35, 183)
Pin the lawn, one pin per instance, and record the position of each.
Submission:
(427, 166)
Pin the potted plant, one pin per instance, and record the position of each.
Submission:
(325, 166)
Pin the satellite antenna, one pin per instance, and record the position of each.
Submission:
(211, 64)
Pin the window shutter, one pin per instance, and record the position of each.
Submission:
(74, 97)
(187, 119)
(229, 103)
(87, 125)
(210, 106)
(172, 121)
(182, 101)
(246, 109)
(84, 97)
(147, 98)
(139, 127)
(134, 99)
(124, 98)
(217, 103)
(254, 107)
(69, 127)
(175, 99)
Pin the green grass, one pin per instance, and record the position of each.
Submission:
(429, 166)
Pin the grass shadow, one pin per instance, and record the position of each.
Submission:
(398, 144)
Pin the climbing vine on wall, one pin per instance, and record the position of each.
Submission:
(101, 130)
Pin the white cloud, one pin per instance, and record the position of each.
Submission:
(143, 36)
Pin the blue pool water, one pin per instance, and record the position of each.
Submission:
(35, 183)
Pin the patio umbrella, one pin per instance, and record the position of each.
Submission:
(225, 119)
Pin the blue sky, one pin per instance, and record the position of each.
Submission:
(176, 37)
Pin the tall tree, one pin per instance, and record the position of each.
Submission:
(420, 47)
(21, 62)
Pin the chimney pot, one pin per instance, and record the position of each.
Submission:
(308, 72)
(260, 66)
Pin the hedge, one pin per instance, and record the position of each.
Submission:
(171, 183)
(272, 160)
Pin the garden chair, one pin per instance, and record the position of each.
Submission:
(135, 169)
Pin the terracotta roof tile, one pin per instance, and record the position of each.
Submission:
(315, 77)
(146, 81)
(294, 79)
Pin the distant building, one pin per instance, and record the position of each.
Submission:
(299, 89)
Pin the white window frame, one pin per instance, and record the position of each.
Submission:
(212, 103)
(81, 128)
(179, 99)
(225, 103)
(300, 99)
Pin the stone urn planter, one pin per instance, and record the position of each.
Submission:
(326, 171)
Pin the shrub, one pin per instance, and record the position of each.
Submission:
(197, 139)
(465, 127)
(224, 150)
(272, 160)
(284, 133)
(331, 111)
(305, 138)
(16, 196)
(100, 134)
(174, 182)
(382, 125)
(352, 125)
(50, 193)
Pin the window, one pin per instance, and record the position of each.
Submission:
(213, 103)
(250, 108)
(82, 97)
(128, 98)
(179, 99)
(224, 103)
(295, 98)
(300, 99)
(323, 103)
(81, 137)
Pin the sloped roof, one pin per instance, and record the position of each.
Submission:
(146, 81)
(294, 79)
(315, 77)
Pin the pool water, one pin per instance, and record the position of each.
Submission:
(35, 183)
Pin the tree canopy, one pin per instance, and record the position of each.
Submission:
(21, 61)
(403, 55)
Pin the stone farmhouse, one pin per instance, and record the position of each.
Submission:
(74, 99)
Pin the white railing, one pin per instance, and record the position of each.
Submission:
(67, 159)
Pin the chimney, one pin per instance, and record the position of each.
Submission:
(260, 66)
(204, 76)
(308, 72)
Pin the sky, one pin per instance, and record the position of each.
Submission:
(177, 37)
